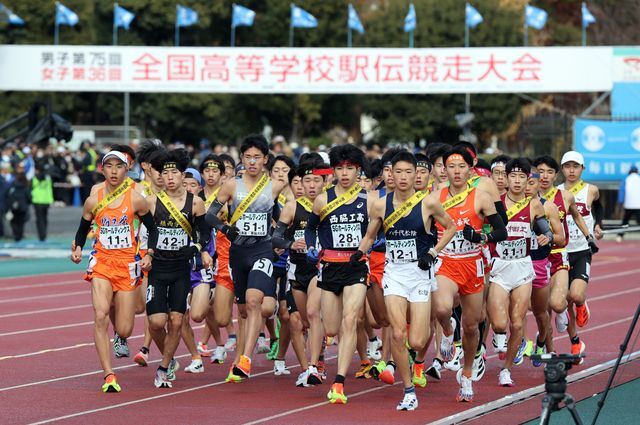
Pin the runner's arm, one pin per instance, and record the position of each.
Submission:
(310, 232)
(286, 217)
(499, 232)
(440, 215)
(573, 210)
(598, 211)
(540, 222)
(152, 229)
(489, 186)
(375, 222)
(559, 238)
(85, 223)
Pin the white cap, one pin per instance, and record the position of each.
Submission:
(572, 156)
(26, 150)
(325, 157)
(115, 154)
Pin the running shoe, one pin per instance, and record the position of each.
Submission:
(373, 349)
(141, 358)
(261, 346)
(196, 366)
(500, 345)
(243, 368)
(365, 367)
(111, 384)
(447, 347)
(336, 394)
(233, 378)
(171, 370)
(280, 368)
(409, 402)
(519, 358)
(528, 350)
(302, 379)
(456, 362)
(387, 375)
(231, 344)
(377, 369)
(322, 370)
(161, 380)
(479, 367)
(578, 349)
(539, 351)
(273, 351)
(504, 378)
(313, 376)
(582, 315)
(465, 394)
(203, 350)
(219, 355)
(562, 321)
(120, 347)
(330, 341)
(419, 378)
(435, 370)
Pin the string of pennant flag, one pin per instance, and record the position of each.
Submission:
(534, 17)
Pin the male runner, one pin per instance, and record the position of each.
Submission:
(498, 173)
(511, 268)
(251, 199)
(549, 170)
(461, 271)
(579, 247)
(340, 218)
(114, 266)
(406, 215)
(182, 232)
(302, 276)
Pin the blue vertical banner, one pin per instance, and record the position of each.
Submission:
(609, 148)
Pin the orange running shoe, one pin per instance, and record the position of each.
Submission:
(577, 349)
(387, 375)
(582, 314)
(365, 367)
(243, 368)
(336, 394)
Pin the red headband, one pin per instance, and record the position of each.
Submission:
(322, 172)
(471, 152)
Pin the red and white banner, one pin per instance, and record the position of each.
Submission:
(311, 70)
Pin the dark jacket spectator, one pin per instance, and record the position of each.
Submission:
(19, 201)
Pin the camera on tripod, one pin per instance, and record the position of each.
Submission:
(555, 384)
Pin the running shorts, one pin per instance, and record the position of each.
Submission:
(123, 273)
(252, 268)
(408, 281)
(510, 274)
(580, 265)
(467, 273)
(376, 267)
(559, 261)
(168, 288)
(334, 276)
(542, 269)
(280, 279)
(300, 275)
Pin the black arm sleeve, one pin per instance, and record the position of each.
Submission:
(598, 212)
(502, 212)
(275, 212)
(81, 234)
(152, 229)
(278, 240)
(204, 231)
(499, 232)
(541, 227)
(212, 215)
(310, 232)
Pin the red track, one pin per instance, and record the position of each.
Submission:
(49, 368)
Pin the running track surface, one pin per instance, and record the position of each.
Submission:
(49, 369)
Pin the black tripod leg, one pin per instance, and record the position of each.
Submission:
(546, 410)
(571, 405)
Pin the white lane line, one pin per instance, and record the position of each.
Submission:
(47, 310)
(42, 285)
(529, 393)
(42, 297)
(43, 275)
(50, 328)
(221, 382)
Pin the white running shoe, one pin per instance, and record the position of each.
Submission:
(161, 380)
(313, 376)
(203, 350)
(219, 355)
(500, 345)
(562, 321)
(196, 366)
(280, 368)
(120, 347)
(435, 370)
(262, 346)
(171, 372)
(409, 402)
(231, 344)
(447, 348)
(466, 390)
(504, 379)
(302, 379)
(479, 367)
(373, 349)
(458, 359)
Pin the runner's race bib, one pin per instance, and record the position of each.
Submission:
(253, 224)
(512, 250)
(135, 271)
(299, 234)
(402, 251)
(346, 235)
(207, 275)
(460, 246)
(534, 242)
(171, 238)
(116, 237)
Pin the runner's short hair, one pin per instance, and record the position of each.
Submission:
(255, 141)
(518, 164)
(500, 159)
(309, 164)
(374, 170)
(227, 158)
(147, 148)
(127, 150)
(404, 156)
(389, 154)
(460, 150)
(547, 160)
(212, 158)
(178, 156)
(346, 153)
(422, 159)
(286, 160)
(437, 150)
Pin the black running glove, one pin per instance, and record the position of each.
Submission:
(426, 261)
(592, 244)
(231, 232)
(470, 234)
(355, 258)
